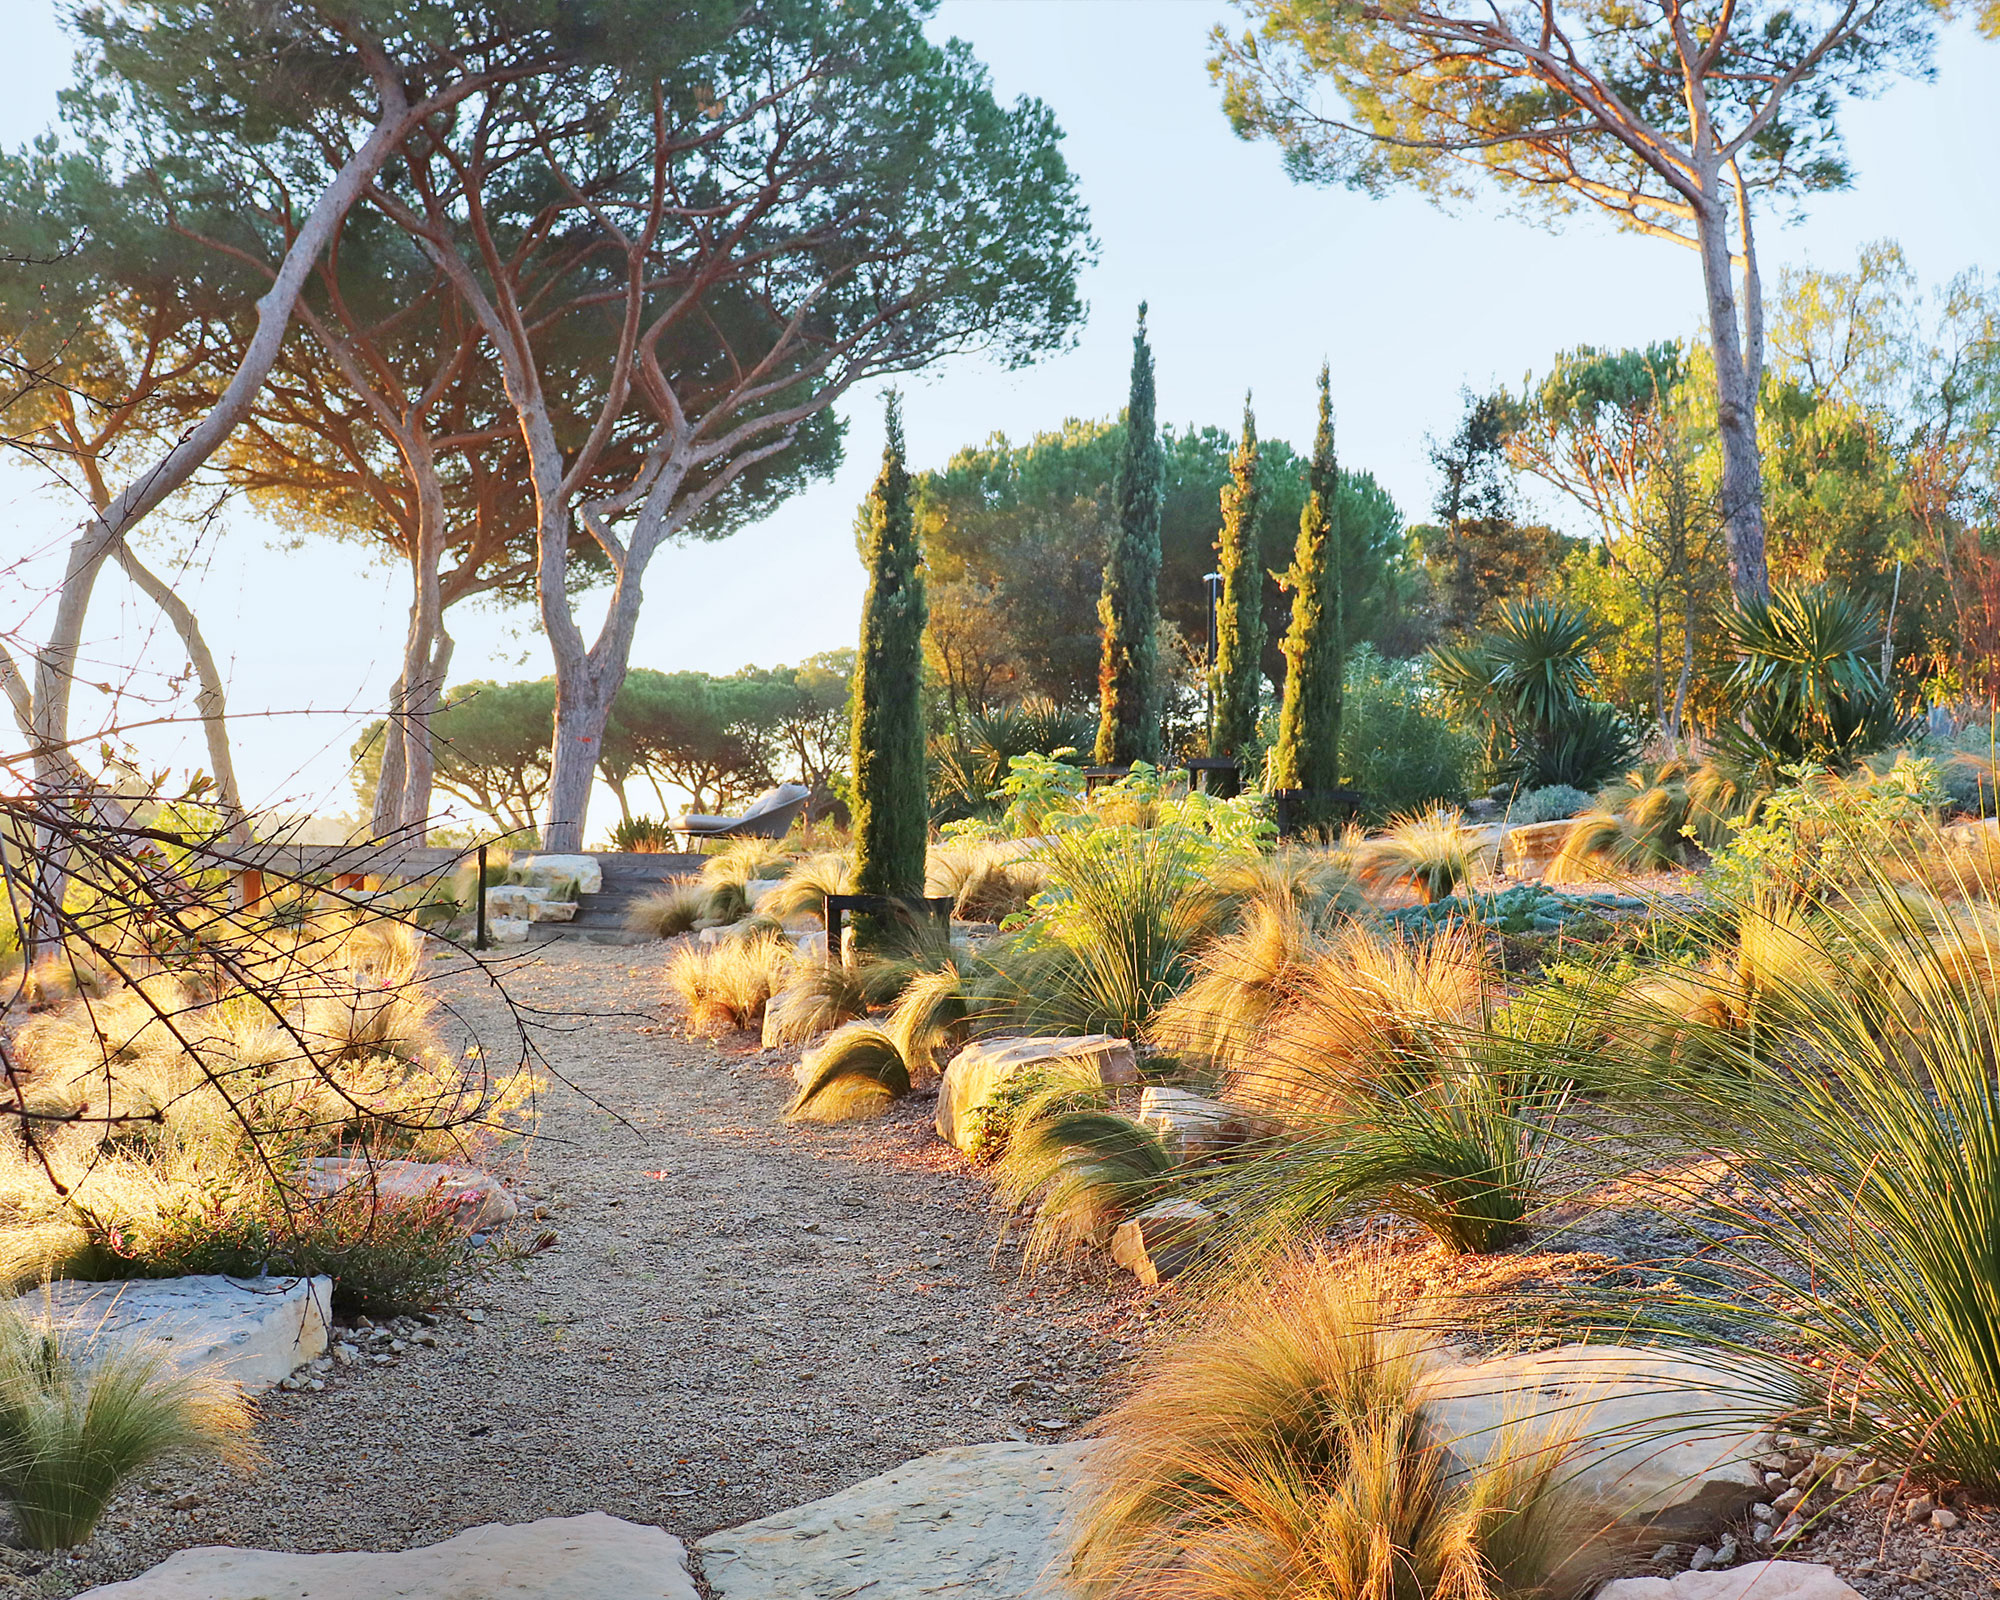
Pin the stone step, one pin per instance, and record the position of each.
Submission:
(592, 1557)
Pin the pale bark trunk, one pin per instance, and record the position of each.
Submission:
(427, 648)
(386, 814)
(56, 662)
(210, 699)
(1736, 382)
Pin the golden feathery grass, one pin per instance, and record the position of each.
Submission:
(1370, 1006)
(1288, 1446)
(677, 907)
(857, 1073)
(1241, 981)
(1426, 852)
(725, 987)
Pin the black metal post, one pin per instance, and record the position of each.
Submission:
(479, 939)
(1212, 582)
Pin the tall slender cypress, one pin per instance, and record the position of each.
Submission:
(1239, 616)
(891, 795)
(1308, 754)
(1128, 675)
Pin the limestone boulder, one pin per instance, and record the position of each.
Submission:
(1759, 1580)
(512, 901)
(978, 1071)
(1531, 849)
(980, 1522)
(552, 910)
(476, 1199)
(593, 1557)
(1666, 1443)
(251, 1331)
(1195, 1127)
(507, 930)
(1163, 1239)
(560, 872)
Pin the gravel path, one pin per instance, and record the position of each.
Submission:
(736, 1317)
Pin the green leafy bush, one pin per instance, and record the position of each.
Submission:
(1822, 832)
(1401, 747)
(1550, 804)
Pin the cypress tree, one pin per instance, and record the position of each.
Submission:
(1308, 754)
(1128, 674)
(891, 794)
(1239, 617)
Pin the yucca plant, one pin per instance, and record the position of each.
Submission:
(1425, 852)
(75, 1425)
(643, 835)
(1288, 1447)
(1805, 687)
(1841, 1163)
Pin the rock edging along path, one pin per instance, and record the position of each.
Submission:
(980, 1523)
(592, 1557)
(733, 1317)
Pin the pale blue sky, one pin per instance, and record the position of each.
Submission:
(1251, 280)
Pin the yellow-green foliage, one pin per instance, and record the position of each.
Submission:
(857, 1073)
(75, 1424)
(160, 1094)
(811, 879)
(1289, 1447)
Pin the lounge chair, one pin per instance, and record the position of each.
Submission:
(770, 816)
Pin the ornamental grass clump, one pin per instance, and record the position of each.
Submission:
(1074, 1168)
(77, 1423)
(680, 907)
(1289, 1447)
(1242, 979)
(1398, 1095)
(1425, 852)
(1837, 1127)
(1115, 932)
(725, 987)
(863, 1067)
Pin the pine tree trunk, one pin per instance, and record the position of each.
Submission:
(1128, 676)
(891, 792)
(1736, 384)
(1239, 626)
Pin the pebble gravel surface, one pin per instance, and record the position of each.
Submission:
(726, 1317)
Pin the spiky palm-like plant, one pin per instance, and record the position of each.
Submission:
(1129, 690)
(1805, 688)
(1239, 614)
(1307, 755)
(891, 780)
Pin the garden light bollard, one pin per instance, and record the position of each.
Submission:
(479, 939)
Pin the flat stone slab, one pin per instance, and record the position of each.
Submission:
(476, 1199)
(977, 1072)
(979, 1522)
(594, 1557)
(1666, 1442)
(252, 1331)
(1759, 1580)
